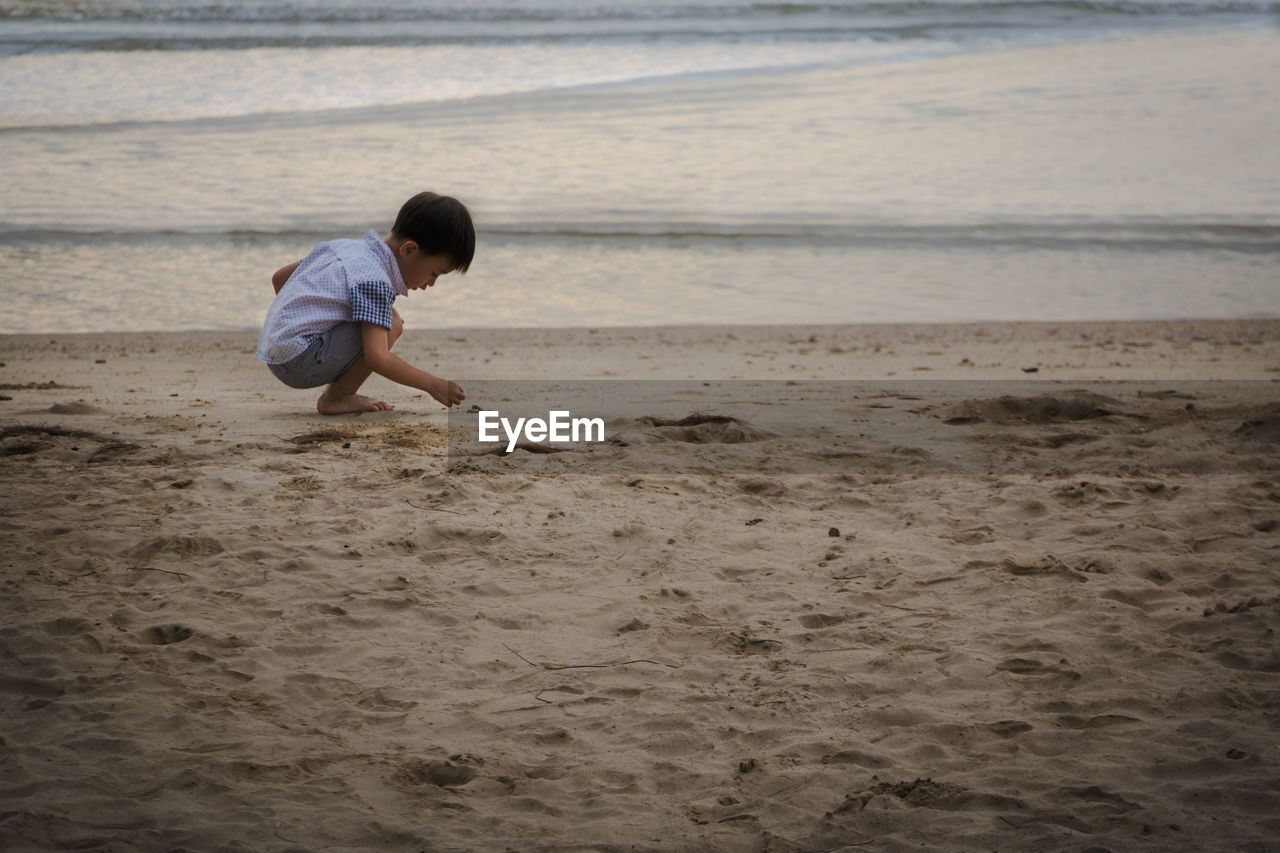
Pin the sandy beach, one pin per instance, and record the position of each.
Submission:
(233, 624)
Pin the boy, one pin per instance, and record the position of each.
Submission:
(332, 322)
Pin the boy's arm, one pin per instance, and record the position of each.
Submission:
(379, 358)
(281, 276)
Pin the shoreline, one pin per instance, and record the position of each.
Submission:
(211, 382)
(1054, 334)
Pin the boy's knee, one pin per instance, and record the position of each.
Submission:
(397, 326)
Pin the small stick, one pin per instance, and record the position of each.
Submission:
(517, 654)
(608, 665)
(299, 843)
(585, 665)
(180, 575)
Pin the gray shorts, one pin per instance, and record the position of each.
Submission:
(327, 358)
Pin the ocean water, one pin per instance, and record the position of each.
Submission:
(647, 162)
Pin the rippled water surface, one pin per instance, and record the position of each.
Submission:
(646, 162)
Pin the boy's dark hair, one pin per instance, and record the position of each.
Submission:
(440, 225)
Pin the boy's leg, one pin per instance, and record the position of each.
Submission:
(340, 398)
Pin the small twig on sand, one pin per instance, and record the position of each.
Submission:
(181, 575)
(300, 844)
(277, 834)
(608, 665)
(517, 654)
(432, 508)
(585, 665)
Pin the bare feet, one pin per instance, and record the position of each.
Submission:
(349, 403)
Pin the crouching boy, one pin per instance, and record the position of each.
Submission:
(333, 320)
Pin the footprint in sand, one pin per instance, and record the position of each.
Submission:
(165, 635)
(442, 774)
(1032, 667)
(821, 620)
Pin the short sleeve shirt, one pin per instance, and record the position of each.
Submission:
(341, 281)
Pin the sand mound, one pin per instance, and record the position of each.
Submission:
(1039, 409)
(1263, 428)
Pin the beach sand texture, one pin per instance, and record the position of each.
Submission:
(230, 623)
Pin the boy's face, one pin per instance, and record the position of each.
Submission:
(420, 270)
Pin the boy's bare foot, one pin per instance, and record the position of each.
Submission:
(349, 403)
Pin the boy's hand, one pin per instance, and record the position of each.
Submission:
(379, 359)
(448, 393)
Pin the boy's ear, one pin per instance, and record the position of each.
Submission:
(408, 249)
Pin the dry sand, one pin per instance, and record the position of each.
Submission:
(232, 624)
